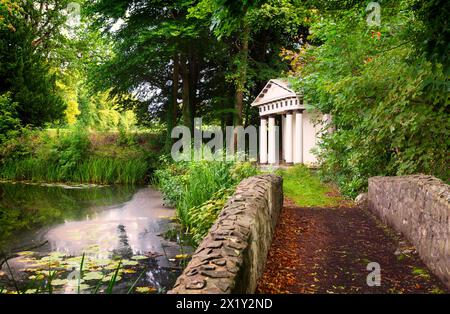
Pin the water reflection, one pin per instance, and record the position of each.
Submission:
(107, 224)
(25, 208)
(126, 229)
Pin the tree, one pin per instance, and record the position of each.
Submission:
(8, 9)
(378, 86)
(241, 24)
(29, 64)
(9, 120)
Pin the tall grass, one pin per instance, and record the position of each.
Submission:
(109, 170)
(73, 155)
(93, 170)
(203, 180)
(198, 190)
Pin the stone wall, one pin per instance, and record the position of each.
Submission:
(419, 207)
(232, 256)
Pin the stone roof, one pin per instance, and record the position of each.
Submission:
(274, 90)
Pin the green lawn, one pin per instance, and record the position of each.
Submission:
(304, 187)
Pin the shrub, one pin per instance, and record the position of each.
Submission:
(9, 118)
(71, 149)
(170, 182)
(199, 189)
(204, 216)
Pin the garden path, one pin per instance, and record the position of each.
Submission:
(327, 250)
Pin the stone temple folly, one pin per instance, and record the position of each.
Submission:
(288, 133)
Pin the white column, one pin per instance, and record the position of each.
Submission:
(294, 143)
(298, 138)
(263, 142)
(277, 144)
(272, 158)
(283, 136)
(289, 142)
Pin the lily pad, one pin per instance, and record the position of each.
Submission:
(145, 289)
(129, 263)
(101, 262)
(109, 277)
(73, 286)
(25, 253)
(93, 275)
(44, 272)
(59, 282)
(36, 277)
(113, 265)
(128, 271)
(139, 257)
(74, 260)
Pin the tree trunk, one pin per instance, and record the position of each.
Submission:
(172, 111)
(187, 114)
(242, 78)
(193, 76)
(175, 88)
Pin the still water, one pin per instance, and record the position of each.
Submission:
(113, 234)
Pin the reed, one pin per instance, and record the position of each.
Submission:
(198, 190)
(93, 170)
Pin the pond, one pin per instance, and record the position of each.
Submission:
(86, 239)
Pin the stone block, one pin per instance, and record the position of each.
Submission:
(418, 206)
(232, 256)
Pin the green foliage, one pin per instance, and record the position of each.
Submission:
(25, 71)
(8, 8)
(69, 156)
(126, 138)
(202, 217)
(432, 39)
(92, 170)
(389, 103)
(304, 187)
(110, 170)
(100, 112)
(71, 149)
(9, 120)
(198, 188)
(257, 31)
(170, 180)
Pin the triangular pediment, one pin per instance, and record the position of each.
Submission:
(274, 90)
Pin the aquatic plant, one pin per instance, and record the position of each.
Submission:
(57, 272)
(199, 189)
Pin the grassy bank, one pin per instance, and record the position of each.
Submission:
(78, 156)
(304, 187)
(92, 170)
